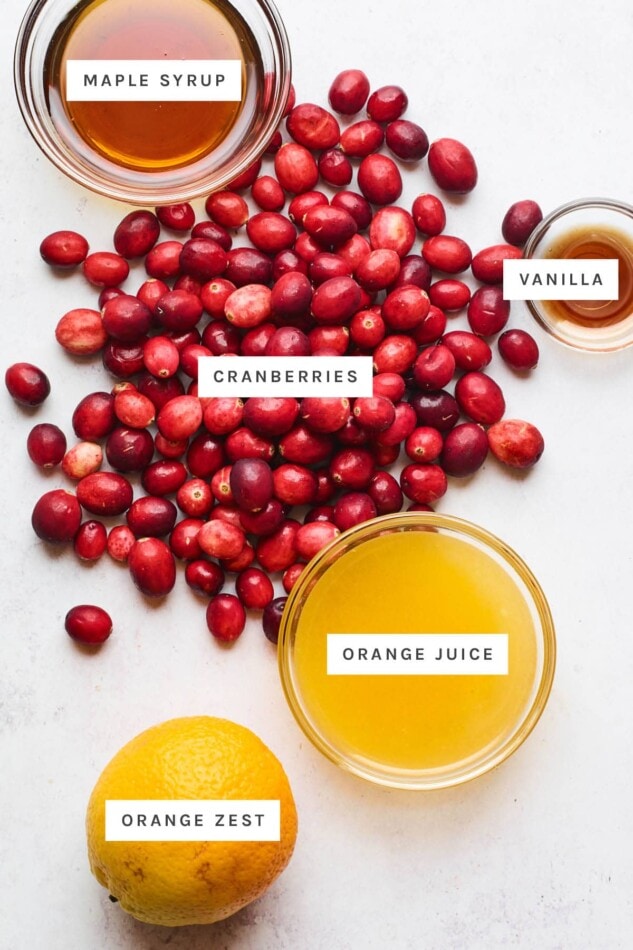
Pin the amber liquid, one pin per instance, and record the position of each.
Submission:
(149, 136)
(594, 243)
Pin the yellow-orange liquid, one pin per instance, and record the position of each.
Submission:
(148, 136)
(415, 582)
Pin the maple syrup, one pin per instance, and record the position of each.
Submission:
(149, 136)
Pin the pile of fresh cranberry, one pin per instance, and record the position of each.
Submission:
(334, 272)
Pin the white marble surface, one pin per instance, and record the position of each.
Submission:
(536, 855)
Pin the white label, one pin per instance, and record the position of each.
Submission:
(559, 279)
(298, 376)
(154, 80)
(417, 654)
(184, 820)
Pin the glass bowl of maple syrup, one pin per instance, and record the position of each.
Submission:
(588, 229)
(156, 101)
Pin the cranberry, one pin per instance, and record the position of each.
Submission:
(352, 468)
(447, 253)
(352, 509)
(465, 449)
(379, 179)
(240, 562)
(385, 492)
(81, 332)
(519, 221)
(220, 539)
(183, 540)
(375, 413)
(519, 349)
(424, 444)
(160, 391)
(286, 261)
(331, 341)
(336, 300)
(429, 214)
(278, 550)
(367, 327)
(202, 258)
(129, 450)
(302, 203)
(335, 168)
(405, 307)
(205, 455)
(325, 266)
(295, 168)
(391, 385)
(271, 620)
(264, 522)
(163, 261)
(56, 516)
(314, 536)
(434, 368)
(123, 360)
(387, 103)
(438, 410)
(246, 178)
(255, 341)
(105, 269)
(431, 328)
(64, 249)
(91, 540)
(488, 312)
(480, 398)
(221, 338)
(27, 384)
(151, 516)
(244, 443)
(268, 194)
(449, 295)
(179, 418)
(349, 90)
(194, 498)
(105, 493)
(136, 234)
(329, 226)
(452, 166)
(88, 624)
(254, 589)
(395, 354)
(423, 483)
(46, 445)
(312, 126)
(294, 484)
(357, 205)
(120, 541)
(470, 351)
(152, 567)
(94, 416)
(204, 577)
(213, 231)
(161, 357)
(516, 443)
(401, 427)
(126, 318)
(487, 265)
(291, 575)
(324, 414)
(151, 291)
(227, 209)
(251, 484)
(134, 409)
(248, 306)
(288, 341)
(82, 459)
(362, 138)
(271, 232)
(223, 414)
(163, 477)
(178, 217)
(270, 416)
(407, 140)
(179, 310)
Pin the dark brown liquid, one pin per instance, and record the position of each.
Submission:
(148, 136)
(595, 243)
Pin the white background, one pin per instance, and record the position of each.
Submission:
(536, 855)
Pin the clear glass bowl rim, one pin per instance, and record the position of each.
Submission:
(409, 779)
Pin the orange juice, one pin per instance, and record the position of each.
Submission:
(412, 582)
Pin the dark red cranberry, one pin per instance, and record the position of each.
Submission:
(46, 445)
(271, 620)
(27, 384)
(56, 516)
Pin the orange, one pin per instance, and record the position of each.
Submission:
(190, 882)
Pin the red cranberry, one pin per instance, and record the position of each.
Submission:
(244, 443)
(452, 166)
(519, 349)
(178, 217)
(91, 540)
(348, 92)
(379, 179)
(163, 477)
(204, 577)
(312, 126)
(205, 455)
(295, 168)
(120, 541)
(64, 249)
(294, 484)
(314, 536)
(434, 368)
(56, 516)
(251, 484)
(264, 522)
(254, 589)
(27, 384)
(387, 103)
(278, 550)
(469, 350)
(105, 269)
(423, 483)
(324, 414)
(395, 354)
(288, 341)
(465, 450)
(195, 498)
(227, 209)
(385, 492)
(123, 360)
(429, 214)
(407, 140)
(268, 194)
(179, 418)
(151, 516)
(352, 509)
(46, 445)
(449, 295)
(487, 265)
(136, 234)
(357, 205)
(480, 398)
(424, 444)
(488, 312)
(88, 624)
(335, 168)
(82, 459)
(163, 261)
(352, 468)
(183, 540)
(152, 567)
(105, 493)
(94, 416)
(270, 416)
(291, 575)
(221, 539)
(271, 620)
(516, 443)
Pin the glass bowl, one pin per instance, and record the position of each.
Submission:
(388, 581)
(599, 216)
(266, 85)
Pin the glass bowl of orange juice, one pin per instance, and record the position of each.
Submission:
(417, 651)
